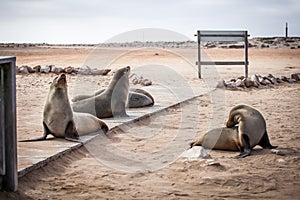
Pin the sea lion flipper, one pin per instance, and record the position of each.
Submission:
(246, 150)
(71, 133)
(46, 133)
(265, 142)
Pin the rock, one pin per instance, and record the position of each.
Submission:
(195, 153)
(23, 69)
(221, 84)
(239, 83)
(249, 83)
(211, 162)
(57, 70)
(140, 80)
(281, 160)
(260, 78)
(30, 70)
(267, 80)
(272, 79)
(37, 68)
(52, 68)
(296, 76)
(135, 81)
(88, 71)
(255, 80)
(100, 71)
(264, 45)
(290, 80)
(236, 46)
(278, 152)
(230, 84)
(146, 82)
(284, 78)
(45, 69)
(84, 70)
(279, 80)
(68, 70)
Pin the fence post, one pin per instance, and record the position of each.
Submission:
(246, 54)
(199, 53)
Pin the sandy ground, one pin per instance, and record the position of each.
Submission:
(154, 144)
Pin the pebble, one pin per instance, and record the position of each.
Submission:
(195, 153)
(278, 152)
(280, 160)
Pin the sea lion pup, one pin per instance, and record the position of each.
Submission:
(249, 132)
(60, 121)
(111, 102)
(219, 138)
(137, 98)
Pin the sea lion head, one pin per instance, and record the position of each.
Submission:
(121, 72)
(59, 82)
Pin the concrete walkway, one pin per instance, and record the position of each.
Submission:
(33, 155)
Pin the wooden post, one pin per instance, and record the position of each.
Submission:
(9, 181)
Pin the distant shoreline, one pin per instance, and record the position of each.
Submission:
(256, 42)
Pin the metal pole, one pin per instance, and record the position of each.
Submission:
(286, 30)
(246, 54)
(199, 54)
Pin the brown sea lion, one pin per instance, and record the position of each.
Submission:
(252, 129)
(219, 138)
(137, 98)
(111, 102)
(249, 132)
(60, 121)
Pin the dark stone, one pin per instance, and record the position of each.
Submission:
(296, 76)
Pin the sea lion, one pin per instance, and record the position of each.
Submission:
(137, 98)
(219, 138)
(111, 102)
(60, 121)
(251, 131)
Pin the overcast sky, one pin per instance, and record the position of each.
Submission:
(95, 21)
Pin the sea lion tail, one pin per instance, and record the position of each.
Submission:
(265, 142)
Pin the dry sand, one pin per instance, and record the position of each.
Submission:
(81, 175)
